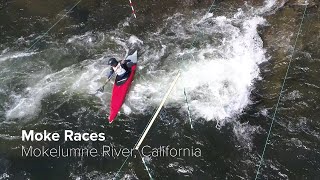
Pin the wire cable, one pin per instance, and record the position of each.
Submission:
(280, 94)
(53, 26)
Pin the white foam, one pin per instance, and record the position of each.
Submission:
(14, 55)
(135, 40)
(73, 79)
(127, 110)
(88, 39)
(84, 78)
(217, 78)
(30, 104)
(218, 81)
(269, 7)
(4, 176)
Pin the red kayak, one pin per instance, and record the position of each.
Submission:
(119, 92)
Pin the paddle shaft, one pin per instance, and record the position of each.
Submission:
(108, 80)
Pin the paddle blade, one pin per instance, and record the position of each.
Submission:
(101, 89)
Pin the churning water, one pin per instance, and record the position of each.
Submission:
(220, 56)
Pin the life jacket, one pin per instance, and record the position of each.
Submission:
(119, 70)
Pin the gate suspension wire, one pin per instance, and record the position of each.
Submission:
(281, 91)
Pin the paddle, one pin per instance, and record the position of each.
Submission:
(101, 89)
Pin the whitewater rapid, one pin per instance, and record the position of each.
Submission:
(217, 78)
(218, 72)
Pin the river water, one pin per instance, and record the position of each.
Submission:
(232, 61)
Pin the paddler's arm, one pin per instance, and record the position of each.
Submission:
(110, 73)
(127, 62)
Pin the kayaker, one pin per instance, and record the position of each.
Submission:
(122, 69)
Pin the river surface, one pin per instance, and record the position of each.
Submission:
(232, 55)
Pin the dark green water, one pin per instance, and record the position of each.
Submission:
(232, 61)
